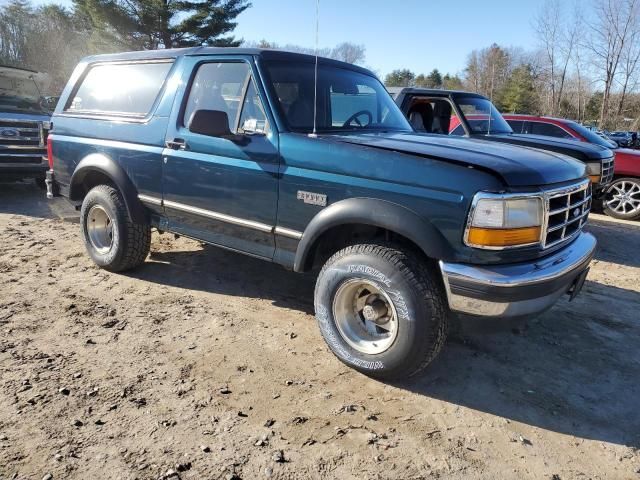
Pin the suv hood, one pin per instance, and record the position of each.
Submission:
(19, 117)
(516, 166)
(20, 90)
(574, 148)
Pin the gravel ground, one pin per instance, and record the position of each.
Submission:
(205, 364)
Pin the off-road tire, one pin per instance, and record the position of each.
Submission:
(418, 296)
(131, 241)
(612, 213)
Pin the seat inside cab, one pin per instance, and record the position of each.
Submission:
(430, 115)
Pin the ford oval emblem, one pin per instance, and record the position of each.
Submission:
(9, 133)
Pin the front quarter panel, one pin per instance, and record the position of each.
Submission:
(437, 193)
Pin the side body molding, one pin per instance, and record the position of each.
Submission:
(102, 164)
(377, 213)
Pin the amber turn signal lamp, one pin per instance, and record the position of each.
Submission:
(503, 237)
(594, 178)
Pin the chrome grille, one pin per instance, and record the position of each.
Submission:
(567, 211)
(21, 141)
(607, 171)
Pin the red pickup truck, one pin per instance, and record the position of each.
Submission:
(622, 199)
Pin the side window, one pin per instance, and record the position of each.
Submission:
(516, 125)
(433, 115)
(120, 89)
(538, 128)
(218, 86)
(458, 131)
(253, 118)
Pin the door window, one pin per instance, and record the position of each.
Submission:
(253, 118)
(218, 86)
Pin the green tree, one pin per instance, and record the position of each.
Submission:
(451, 82)
(592, 108)
(519, 94)
(152, 24)
(400, 78)
(433, 80)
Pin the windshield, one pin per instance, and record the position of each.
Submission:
(591, 136)
(482, 116)
(347, 100)
(20, 95)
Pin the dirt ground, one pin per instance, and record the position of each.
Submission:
(204, 364)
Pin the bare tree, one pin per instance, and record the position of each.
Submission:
(349, 52)
(610, 33)
(345, 51)
(472, 72)
(488, 70)
(629, 60)
(558, 42)
(15, 25)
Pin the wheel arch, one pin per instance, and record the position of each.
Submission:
(98, 168)
(369, 212)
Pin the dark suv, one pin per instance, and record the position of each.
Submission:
(313, 166)
(459, 113)
(24, 122)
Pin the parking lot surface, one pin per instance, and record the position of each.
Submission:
(206, 364)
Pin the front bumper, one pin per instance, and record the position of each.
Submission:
(520, 290)
(23, 170)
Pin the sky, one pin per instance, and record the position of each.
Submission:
(417, 34)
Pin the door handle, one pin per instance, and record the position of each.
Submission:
(176, 144)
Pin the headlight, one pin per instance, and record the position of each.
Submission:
(594, 171)
(503, 221)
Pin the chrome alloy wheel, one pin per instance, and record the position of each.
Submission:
(365, 316)
(100, 229)
(623, 197)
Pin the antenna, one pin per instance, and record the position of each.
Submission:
(315, 74)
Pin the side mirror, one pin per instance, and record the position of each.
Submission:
(213, 123)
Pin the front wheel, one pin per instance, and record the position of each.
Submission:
(113, 241)
(381, 310)
(622, 199)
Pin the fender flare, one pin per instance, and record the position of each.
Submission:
(377, 213)
(100, 163)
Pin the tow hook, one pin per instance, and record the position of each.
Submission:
(49, 183)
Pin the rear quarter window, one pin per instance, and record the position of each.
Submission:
(516, 125)
(127, 89)
(548, 130)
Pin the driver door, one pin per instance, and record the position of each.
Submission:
(222, 190)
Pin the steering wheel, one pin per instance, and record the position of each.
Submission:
(354, 118)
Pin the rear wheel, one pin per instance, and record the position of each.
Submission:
(113, 240)
(381, 310)
(622, 199)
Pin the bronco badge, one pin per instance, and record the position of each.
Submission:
(312, 198)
